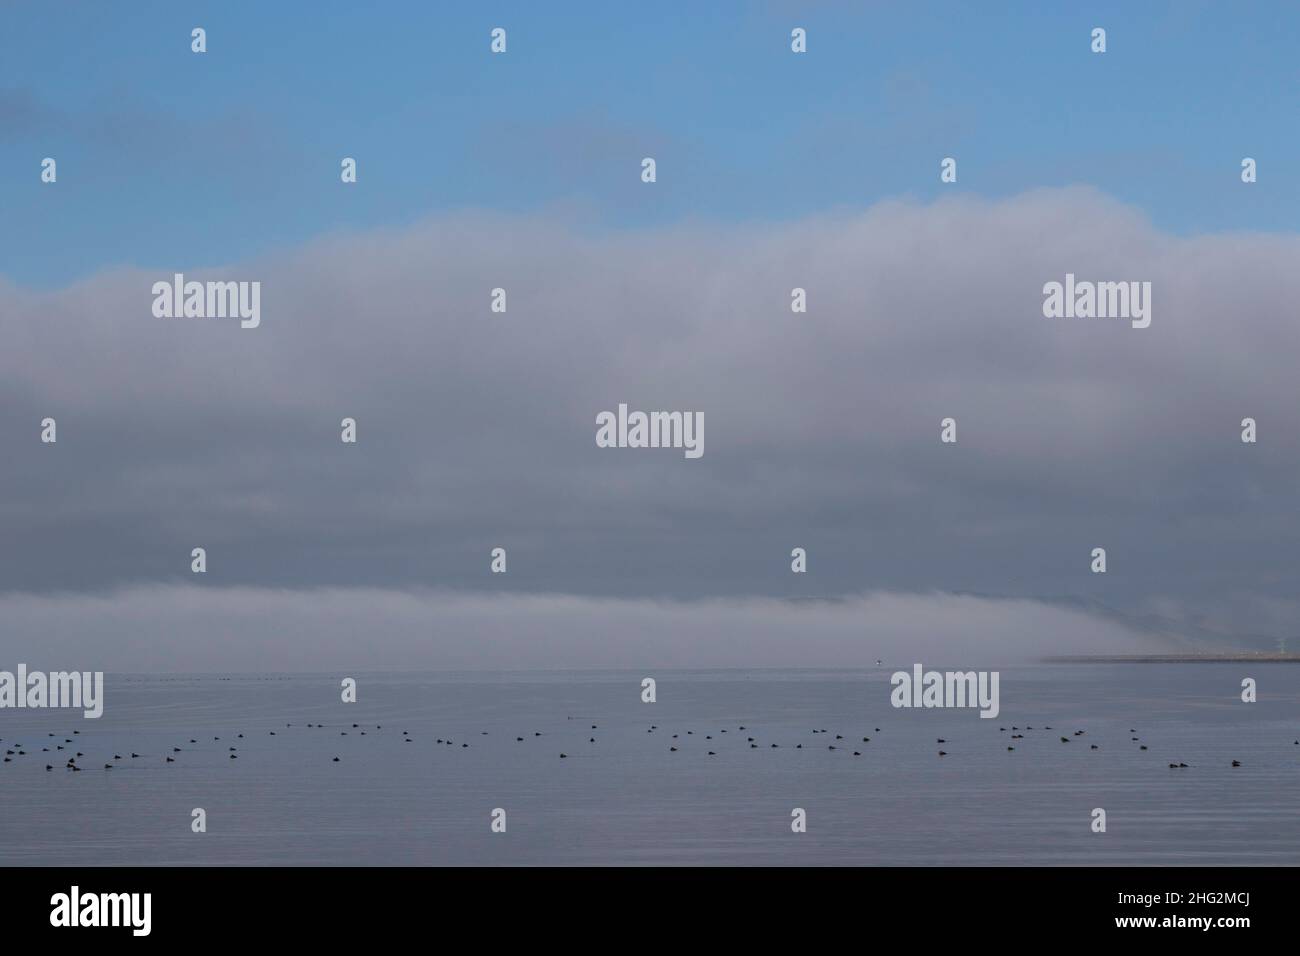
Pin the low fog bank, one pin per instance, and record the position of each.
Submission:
(163, 629)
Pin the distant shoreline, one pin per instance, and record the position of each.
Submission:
(1236, 658)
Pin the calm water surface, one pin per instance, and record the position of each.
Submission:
(628, 799)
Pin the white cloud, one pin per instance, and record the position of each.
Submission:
(477, 430)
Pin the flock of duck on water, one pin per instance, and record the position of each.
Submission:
(67, 748)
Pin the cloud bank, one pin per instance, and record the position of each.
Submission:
(477, 430)
(187, 628)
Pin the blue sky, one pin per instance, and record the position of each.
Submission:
(169, 159)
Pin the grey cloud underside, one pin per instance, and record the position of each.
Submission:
(477, 430)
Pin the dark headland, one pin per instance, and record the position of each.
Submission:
(1226, 658)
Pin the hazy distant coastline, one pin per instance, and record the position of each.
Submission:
(1226, 658)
